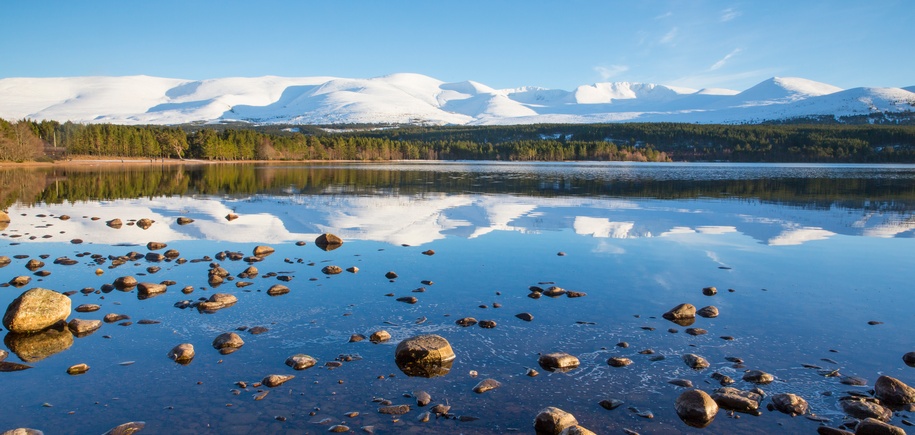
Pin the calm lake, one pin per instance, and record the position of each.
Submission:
(813, 266)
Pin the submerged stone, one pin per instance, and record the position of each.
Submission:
(558, 361)
(552, 421)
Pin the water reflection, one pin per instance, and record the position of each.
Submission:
(804, 258)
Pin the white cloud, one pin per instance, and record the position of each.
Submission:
(724, 59)
(664, 15)
(606, 72)
(729, 14)
(669, 37)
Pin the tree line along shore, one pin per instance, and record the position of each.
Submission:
(27, 140)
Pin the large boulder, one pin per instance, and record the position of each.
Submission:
(696, 408)
(552, 421)
(35, 310)
(424, 356)
(893, 392)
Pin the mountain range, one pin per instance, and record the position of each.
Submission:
(417, 99)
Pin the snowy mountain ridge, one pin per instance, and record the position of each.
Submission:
(407, 98)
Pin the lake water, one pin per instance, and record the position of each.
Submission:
(803, 257)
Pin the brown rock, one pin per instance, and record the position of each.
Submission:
(115, 223)
(394, 409)
(125, 282)
(466, 321)
(228, 342)
(552, 421)
(558, 361)
(300, 361)
(696, 408)
(391, 275)
(114, 317)
(487, 324)
(694, 361)
(145, 223)
(34, 265)
(527, 317)
(328, 241)
(861, 408)
(893, 392)
(709, 311)
(82, 328)
(486, 385)
(155, 246)
(263, 251)
(422, 398)
(380, 336)
(147, 289)
(424, 356)
(618, 361)
(276, 380)
(909, 359)
(35, 310)
(182, 353)
(78, 369)
(331, 270)
(758, 377)
(21, 430)
(184, 220)
(218, 301)
(683, 314)
(790, 404)
(733, 399)
(277, 289)
(870, 426)
(127, 428)
(709, 291)
(20, 281)
(231, 217)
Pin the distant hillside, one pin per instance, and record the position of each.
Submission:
(414, 99)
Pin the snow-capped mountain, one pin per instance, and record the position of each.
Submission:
(419, 99)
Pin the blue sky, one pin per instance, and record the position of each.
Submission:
(501, 43)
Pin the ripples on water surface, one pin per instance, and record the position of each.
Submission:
(812, 254)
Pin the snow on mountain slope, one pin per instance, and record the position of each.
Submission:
(418, 99)
(607, 92)
(783, 90)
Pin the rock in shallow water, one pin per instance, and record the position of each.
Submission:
(618, 361)
(424, 356)
(552, 421)
(276, 380)
(228, 342)
(486, 385)
(870, 426)
(694, 361)
(893, 392)
(558, 361)
(35, 310)
(733, 399)
(708, 312)
(861, 408)
(82, 328)
(790, 404)
(300, 361)
(182, 353)
(758, 377)
(696, 408)
(127, 428)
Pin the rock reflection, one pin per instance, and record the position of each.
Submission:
(38, 346)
